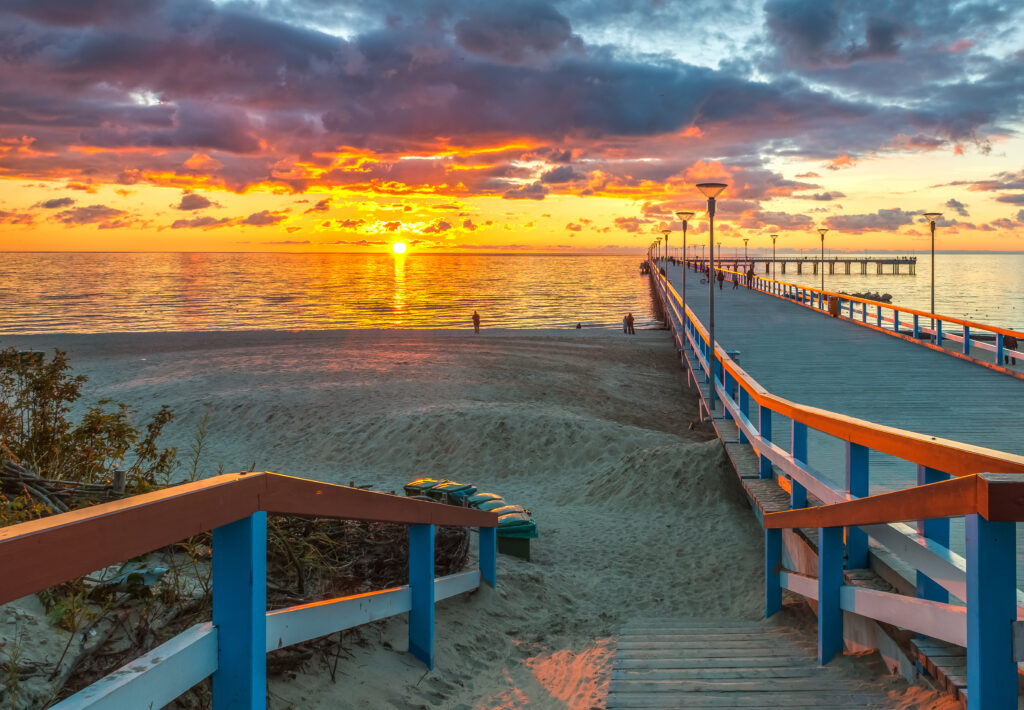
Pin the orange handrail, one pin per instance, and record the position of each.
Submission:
(41, 553)
(901, 309)
(953, 457)
(994, 496)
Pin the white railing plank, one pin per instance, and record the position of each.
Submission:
(799, 583)
(155, 678)
(454, 584)
(942, 621)
(309, 621)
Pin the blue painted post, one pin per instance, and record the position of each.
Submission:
(727, 385)
(830, 579)
(864, 313)
(991, 609)
(745, 408)
(421, 581)
(938, 333)
(856, 485)
(764, 426)
(851, 310)
(772, 568)
(896, 320)
(938, 530)
(967, 340)
(879, 321)
(917, 327)
(489, 555)
(240, 613)
(798, 494)
(999, 348)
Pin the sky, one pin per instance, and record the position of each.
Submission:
(467, 126)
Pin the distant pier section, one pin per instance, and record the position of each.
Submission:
(833, 264)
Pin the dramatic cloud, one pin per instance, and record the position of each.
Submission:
(191, 201)
(56, 203)
(102, 216)
(265, 218)
(959, 207)
(200, 223)
(322, 206)
(881, 221)
(533, 191)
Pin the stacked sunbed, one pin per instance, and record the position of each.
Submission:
(515, 524)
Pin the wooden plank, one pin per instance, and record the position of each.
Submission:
(735, 700)
(670, 652)
(689, 642)
(734, 661)
(942, 621)
(817, 683)
(753, 672)
(155, 678)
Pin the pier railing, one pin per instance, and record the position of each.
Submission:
(927, 329)
(232, 648)
(942, 575)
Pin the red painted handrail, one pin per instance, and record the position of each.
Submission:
(41, 553)
(994, 496)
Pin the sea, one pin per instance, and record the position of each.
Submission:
(88, 292)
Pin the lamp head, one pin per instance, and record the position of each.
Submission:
(666, 232)
(933, 216)
(774, 236)
(822, 231)
(711, 190)
(684, 215)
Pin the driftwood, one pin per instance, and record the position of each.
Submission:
(58, 496)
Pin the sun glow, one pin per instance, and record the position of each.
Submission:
(399, 247)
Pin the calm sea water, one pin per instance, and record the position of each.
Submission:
(99, 293)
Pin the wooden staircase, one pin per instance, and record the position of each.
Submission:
(728, 663)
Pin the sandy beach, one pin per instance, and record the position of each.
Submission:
(639, 514)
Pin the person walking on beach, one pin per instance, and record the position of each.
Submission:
(625, 324)
(476, 322)
(629, 324)
(721, 278)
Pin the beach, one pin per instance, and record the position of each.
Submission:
(639, 512)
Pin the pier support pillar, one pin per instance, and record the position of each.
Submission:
(937, 530)
(240, 613)
(421, 582)
(991, 611)
(798, 494)
(857, 483)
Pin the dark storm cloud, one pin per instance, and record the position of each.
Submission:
(565, 173)
(513, 32)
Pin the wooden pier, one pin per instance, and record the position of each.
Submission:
(821, 423)
(831, 264)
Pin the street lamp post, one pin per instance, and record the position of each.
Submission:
(711, 190)
(932, 217)
(774, 237)
(665, 233)
(684, 217)
(746, 259)
(822, 232)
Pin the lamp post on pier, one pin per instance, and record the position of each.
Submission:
(822, 232)
(684, 217)
(711, 190)
(665, 233)
(746, 259)
(932, 217)
(774, 237)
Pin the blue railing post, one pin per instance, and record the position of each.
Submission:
(895, 320)
(240, 613)
(421, 581)
(967, 340)
(744, 409)
(728, 384)
(936, 529)
(917, 327)
(830, 579)
(991, 610)
(851, 310)
(772, 569)
(764, 427)
(798, 494)
(863, 313)
(879, 316)
(938, 333)
(999, 348)
(856, 485)
(489, 555)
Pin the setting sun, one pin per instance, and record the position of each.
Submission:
(398, 247)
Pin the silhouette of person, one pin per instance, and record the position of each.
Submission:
(476, 322)
(579, 326)
(629, 324)
(1010, 343)
(721, 278)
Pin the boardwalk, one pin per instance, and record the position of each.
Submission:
(843, 367)
(726, 663)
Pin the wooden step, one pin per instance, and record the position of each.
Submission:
(727, 663)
